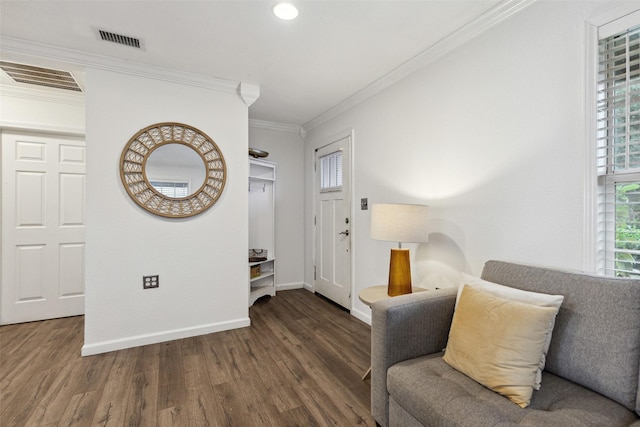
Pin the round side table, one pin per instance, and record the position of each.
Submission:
(376, 293)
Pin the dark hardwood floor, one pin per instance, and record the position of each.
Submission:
(299, 364)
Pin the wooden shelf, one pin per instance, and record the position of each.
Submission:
(262, 177)
(251, 264)
(262, 276)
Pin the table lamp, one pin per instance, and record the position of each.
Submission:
(399, 223)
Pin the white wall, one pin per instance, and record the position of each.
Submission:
(41, 110)
(201, 261)
(492, 137)
(286, 149)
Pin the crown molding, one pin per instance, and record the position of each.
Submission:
(279, 127)
(248, 93)
(489, 19)
(12, 46)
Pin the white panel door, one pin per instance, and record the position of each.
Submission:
(43, 224)
(333, 222)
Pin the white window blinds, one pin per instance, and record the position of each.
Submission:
(331, 172)
(618, 153)
(619, 103)
(172, 188)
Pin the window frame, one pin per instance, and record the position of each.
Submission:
(600, 187)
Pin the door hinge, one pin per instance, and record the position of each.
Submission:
(314, 272)
(314, 220)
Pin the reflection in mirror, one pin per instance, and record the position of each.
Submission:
(206, 180)
(175, 170)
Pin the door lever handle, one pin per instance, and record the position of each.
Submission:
(345, 232)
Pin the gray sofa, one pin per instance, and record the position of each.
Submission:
(592, 369)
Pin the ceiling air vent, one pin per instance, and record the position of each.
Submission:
(119, 39)
(39, 76)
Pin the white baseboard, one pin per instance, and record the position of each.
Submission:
(361, 315)
(308, 287)
(288, 286)
(136, 341)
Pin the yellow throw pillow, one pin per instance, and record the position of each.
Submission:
(498, 342)
(527, 297)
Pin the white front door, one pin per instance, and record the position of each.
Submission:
(43, 224)
(333, 222)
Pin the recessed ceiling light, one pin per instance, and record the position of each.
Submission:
(285, 11)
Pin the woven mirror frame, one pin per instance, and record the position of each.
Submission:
(133, 163)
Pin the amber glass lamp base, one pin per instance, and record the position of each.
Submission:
(399, 273)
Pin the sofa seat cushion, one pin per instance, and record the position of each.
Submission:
(436, 394)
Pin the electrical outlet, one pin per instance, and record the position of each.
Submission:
(150, 282)
(364, 204)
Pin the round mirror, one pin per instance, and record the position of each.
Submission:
(173, 170)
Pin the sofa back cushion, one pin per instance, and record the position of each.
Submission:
(596, 339)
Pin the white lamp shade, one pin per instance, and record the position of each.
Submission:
(399, 223)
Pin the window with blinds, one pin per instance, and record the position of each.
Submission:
(331, 172)
(171, 188)
(618, 153)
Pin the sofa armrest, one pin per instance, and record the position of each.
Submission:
(402, 328)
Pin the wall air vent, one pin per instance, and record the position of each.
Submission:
(29, 74)
(119, 39)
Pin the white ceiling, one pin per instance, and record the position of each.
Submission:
(305, 67)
